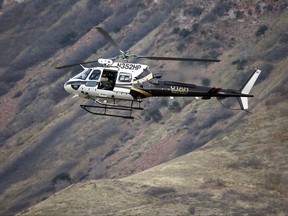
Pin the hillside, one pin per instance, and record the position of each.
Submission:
(233, 174)
(51, 150)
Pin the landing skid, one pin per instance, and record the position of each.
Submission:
(108, 107)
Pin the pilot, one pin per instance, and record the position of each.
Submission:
(109, 83)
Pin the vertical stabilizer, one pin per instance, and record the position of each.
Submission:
(243, 101)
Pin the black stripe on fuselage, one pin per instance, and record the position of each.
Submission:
(167, 88)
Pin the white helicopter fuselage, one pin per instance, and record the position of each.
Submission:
(112, 81)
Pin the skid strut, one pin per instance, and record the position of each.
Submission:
(107, 107)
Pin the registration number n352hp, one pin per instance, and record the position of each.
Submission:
(129, 66)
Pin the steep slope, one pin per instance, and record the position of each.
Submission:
(240, 172)
(47, 142)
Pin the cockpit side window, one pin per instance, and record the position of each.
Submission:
(125, 77)
(84, 74)
(95, 75)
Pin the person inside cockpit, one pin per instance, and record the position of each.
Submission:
(107, 81)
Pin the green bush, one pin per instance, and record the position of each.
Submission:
(158, 191)
(153, 114)
(62, 177)
(261, 30)
(184, 32)
(164, 102)
(17, 94)
(206, 82)
(238, 14)
(195, 27)
(240, 63)
(197, 11)
(69, 38)
(270, 7)
(175, 107)
(180, 47)
(221, 9)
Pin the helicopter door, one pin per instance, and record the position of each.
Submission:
(108, 80)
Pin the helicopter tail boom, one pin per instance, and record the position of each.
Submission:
(246, 88)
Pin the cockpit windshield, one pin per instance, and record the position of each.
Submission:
(83, 75)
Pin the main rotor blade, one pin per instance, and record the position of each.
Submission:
(72, 65)
(178, 58)
(109, 38)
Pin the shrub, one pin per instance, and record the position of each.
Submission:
(253, 163)
(156, 115)
(184, 32)
(176, 30)
(197, 11)
(195, 27)
(238, 14)
(191, 210)
(214, 54)
(240, 63)
(221, 9)
(17, 94)
(206, 82)
(62, 177)
(187, 145)
(221, 116)
(153, 114)
(213, 182)
(163, 102)
(209, 18)
(180, 47)
(157, 191)
(69, 38)
(261, 30)
(203, 32)
(175, 107)
(188, 120)
(270, 7)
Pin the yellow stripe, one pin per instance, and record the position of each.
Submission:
(141, 91)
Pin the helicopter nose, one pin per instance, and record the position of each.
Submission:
(68, 88)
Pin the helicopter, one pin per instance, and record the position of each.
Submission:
(119, 80)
